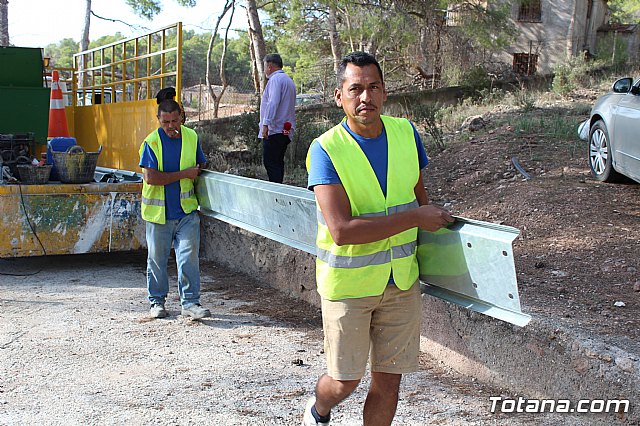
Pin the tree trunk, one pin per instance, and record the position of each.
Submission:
(212, 40)
(334, 37)
(223, 78)
(347, 16)
(255, 35)
(254, 71)
(4, 22)
(84, 41)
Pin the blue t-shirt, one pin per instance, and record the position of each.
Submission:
(323, 172)
(171, 149)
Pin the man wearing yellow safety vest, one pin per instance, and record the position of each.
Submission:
(367, 179)
(172, 159)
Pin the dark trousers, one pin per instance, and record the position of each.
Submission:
(273, 150)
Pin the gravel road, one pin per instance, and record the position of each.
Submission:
(77, 348)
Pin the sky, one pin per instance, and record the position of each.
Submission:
(37, 23)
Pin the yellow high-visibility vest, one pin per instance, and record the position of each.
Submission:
(361, 270)
(153, 202)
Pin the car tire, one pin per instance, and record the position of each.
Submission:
(600, 155)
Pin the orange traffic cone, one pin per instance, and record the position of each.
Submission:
(57, 117)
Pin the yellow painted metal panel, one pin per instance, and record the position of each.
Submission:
(69, 219)
(119, 127)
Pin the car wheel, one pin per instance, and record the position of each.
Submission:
(600, 158)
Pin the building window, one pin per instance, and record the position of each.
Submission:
(530, 11)
(525, 63)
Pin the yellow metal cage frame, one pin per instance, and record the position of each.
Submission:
(131, 63)
(113, 93)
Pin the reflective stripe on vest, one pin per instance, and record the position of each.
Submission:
(379, 258)
(153, 198)
(360, 270)
(187, 194)
(152, 202)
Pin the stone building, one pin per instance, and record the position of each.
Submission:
(549, 32)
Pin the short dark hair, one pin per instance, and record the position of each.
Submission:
(168, 93)
(168, 105)
(359, 59)
(274, 58)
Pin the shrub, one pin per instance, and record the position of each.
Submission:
(308, 127)
(525, 100)
(429, 117)
(490, 96)
(575, 73)
(246, 128)
(476, 79)
(562, 81)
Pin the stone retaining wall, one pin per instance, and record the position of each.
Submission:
(541, 360)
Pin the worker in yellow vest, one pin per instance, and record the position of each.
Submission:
(172, 159)
(366, 176)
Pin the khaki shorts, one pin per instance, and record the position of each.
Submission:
(385, 328)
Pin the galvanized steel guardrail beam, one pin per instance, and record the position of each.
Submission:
(470, 263)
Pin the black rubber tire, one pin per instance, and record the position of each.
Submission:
(600, 156)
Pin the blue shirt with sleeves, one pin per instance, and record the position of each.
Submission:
(323, 172)
(171, 150)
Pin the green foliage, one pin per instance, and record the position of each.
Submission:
(612, 49)
(395, 32)
(194, 57)
(308, 127)
(104, 40)
(525, 100)
(246, 130)
(491, 95)
(452, 74)
(556, 127)
(476, 79)
(299, 31)
(429, 117)
(237, 61)
(562, 79)
(145, 8)
(489, 27)
(61, 53)
(573, 74)
(624, 11)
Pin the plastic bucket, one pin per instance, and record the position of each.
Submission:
(75, 165)
(34, 175)
(58, 144)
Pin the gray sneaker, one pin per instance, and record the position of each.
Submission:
(196, 311)
(157, 311)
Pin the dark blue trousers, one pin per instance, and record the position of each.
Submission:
(273, 150)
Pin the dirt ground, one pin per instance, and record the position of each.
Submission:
(578, 253)
(77, 348)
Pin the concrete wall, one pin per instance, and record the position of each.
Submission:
(287, 269)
